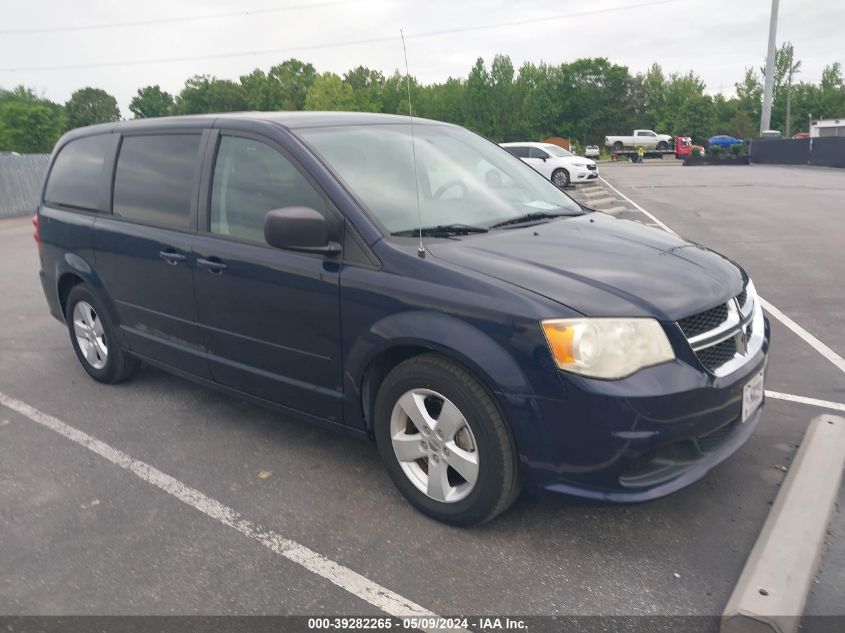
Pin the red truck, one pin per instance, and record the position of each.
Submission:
(684, 147)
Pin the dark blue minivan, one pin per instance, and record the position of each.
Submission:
(412, 282)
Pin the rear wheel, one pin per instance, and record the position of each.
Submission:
(560, 177)
(94, 339)
(618, 146)
(444, 441)
(662, 145)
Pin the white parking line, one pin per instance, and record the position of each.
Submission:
(353, 582)
(639, 208)
(815, 402)
(811, 340)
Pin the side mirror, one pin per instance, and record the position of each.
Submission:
(299, 229)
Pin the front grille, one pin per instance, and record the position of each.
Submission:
(591, 167)
(717, 355)
(704, 321)
(741, 297)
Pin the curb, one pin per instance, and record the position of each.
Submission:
(772, 589)
(602, 202)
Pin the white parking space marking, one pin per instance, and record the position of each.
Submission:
(811, 340)
(639, 208)
(353, 582)
(824, 404)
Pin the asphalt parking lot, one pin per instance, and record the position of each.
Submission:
(81, 535)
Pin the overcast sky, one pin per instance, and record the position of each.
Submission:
(715, 38)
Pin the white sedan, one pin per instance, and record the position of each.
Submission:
(560, 166)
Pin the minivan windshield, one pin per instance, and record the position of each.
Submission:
(463, 179)
(554, 150)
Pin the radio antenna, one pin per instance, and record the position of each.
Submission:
(421, 249)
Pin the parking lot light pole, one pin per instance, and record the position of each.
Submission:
(766, 115)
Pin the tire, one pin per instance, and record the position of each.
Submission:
(662, 145)
(94, 338)
(560, 177)
(618, 146)
(430, 386)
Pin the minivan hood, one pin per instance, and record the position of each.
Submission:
(600, 266)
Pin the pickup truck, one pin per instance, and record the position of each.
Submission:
(641, 138)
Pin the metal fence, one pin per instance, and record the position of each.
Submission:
(823, 152)
(20, 183)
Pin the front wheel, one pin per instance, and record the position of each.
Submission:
(560, 177)
(94, 338)
(444, 441)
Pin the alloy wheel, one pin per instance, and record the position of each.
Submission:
(90, 336)
(435, 445)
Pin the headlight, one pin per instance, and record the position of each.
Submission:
(607, 348)
(579, 164)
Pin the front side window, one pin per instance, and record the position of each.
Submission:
(554, 150)
(462, 177)
(536, 152)
(250, 179)
(154, 179)
(77, 179)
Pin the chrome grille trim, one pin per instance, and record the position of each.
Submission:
(744, 323)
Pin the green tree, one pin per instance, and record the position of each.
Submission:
(88, 106)
(478, 105)
(150, 102)
(28, 127)
(203, 93)
(261, 91)
(749, 94)
(367, 88)
(330, 92)
(294, 78)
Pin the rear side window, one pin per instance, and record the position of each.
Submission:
(154, 179)
(78, 177)
(250, 179)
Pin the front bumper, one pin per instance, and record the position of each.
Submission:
(583, 174)
(639, 438)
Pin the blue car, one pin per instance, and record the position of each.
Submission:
(419, 286)
(723, 140)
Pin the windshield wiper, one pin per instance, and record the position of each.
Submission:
(441, 230)
(534, 216)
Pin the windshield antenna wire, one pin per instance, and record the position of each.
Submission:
(421, 249)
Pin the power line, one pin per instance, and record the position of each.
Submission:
(190, 18)
(372, 40)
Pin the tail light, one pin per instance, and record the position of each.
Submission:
(36, 233)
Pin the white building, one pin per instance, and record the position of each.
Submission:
(827, 127)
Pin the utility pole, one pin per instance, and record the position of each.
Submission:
(766, 116)
(789, 95)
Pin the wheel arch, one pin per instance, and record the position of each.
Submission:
(72, 270)
(399, 337)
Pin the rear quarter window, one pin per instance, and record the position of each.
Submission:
(154, 179)
(79, 177)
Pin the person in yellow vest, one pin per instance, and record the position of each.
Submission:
(640, 154)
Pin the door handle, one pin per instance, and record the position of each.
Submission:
(214, 265)
(172, 257)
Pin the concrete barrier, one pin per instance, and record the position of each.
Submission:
(772, 589)
(21, 178)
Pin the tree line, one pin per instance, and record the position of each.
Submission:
(583, 100)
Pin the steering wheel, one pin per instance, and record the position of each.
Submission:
(448, 185)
